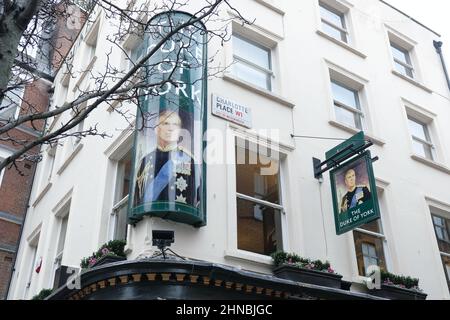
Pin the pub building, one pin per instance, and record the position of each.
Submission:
(223, 176)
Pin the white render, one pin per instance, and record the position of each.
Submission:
(300, 103)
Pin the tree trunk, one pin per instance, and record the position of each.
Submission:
(12, 25)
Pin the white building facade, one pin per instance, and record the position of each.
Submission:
(312, 69)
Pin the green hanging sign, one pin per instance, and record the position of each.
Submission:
(168, 179)
(354, 192)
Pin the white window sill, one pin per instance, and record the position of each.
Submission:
(70, 158)
(412, 81)
(368, 136)
(342, 44)
(263, 92)
(42, 194)
(431, 163)
(271, 6)
(249, 257)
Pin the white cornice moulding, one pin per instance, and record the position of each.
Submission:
(57, 210)
(42, 194)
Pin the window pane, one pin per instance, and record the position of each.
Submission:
(259, 228)
(439, 233)
(121, 224)
(369, 251)
(404, 70)
(400, 54)
(11, 101)
(328, 14)
(251, 179)
(62, 234)
(252, 75)
(442, 233)
(251, 52)
(418, 129)
(344, 95)
(422, 149)
(438, 221)
(333, 32)
(348, 118)
(126, 165)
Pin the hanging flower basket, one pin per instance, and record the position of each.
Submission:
(320, 278)
(396, 293)
(108, 259)
(397, 287)
(110, 252)
(293, 267)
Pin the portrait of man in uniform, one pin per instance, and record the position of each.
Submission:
(356, 194)
(167, 174)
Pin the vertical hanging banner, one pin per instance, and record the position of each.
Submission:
(168, 179)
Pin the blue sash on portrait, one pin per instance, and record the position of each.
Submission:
(161, 181)
(354, 199)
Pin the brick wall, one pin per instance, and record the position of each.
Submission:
(35, 99)
(9, 233)
(6, 260)
(67, 28)
(15, 189)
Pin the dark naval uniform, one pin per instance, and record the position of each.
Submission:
(352, 199)
(167, 176)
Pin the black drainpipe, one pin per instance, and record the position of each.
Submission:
(438, 46)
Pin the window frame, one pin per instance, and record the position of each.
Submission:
(270, 75)
(62, 214)
(429, 143)
(381, 236)
(338, 104)
(119, 203)
(4, 153)
(408, 65)
(343, 30)
(445, 227)
(441, 210)
(18, 93)
(232, 251)
(388, 249)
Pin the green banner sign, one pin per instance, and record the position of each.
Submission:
(168, 179)
(354, 192)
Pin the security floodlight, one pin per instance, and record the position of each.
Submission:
(163, 239)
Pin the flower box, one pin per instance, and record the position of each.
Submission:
(108, 259)
(326, 279)
(397, 293)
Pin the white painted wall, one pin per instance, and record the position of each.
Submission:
(302, 58)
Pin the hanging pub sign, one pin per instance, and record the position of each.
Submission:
(168, 179)
(354, 192)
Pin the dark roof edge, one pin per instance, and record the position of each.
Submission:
(419, 23)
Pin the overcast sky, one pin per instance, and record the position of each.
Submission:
(432, 13)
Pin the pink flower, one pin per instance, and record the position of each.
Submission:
(105, 251)
(92, 261)
(330, 270)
